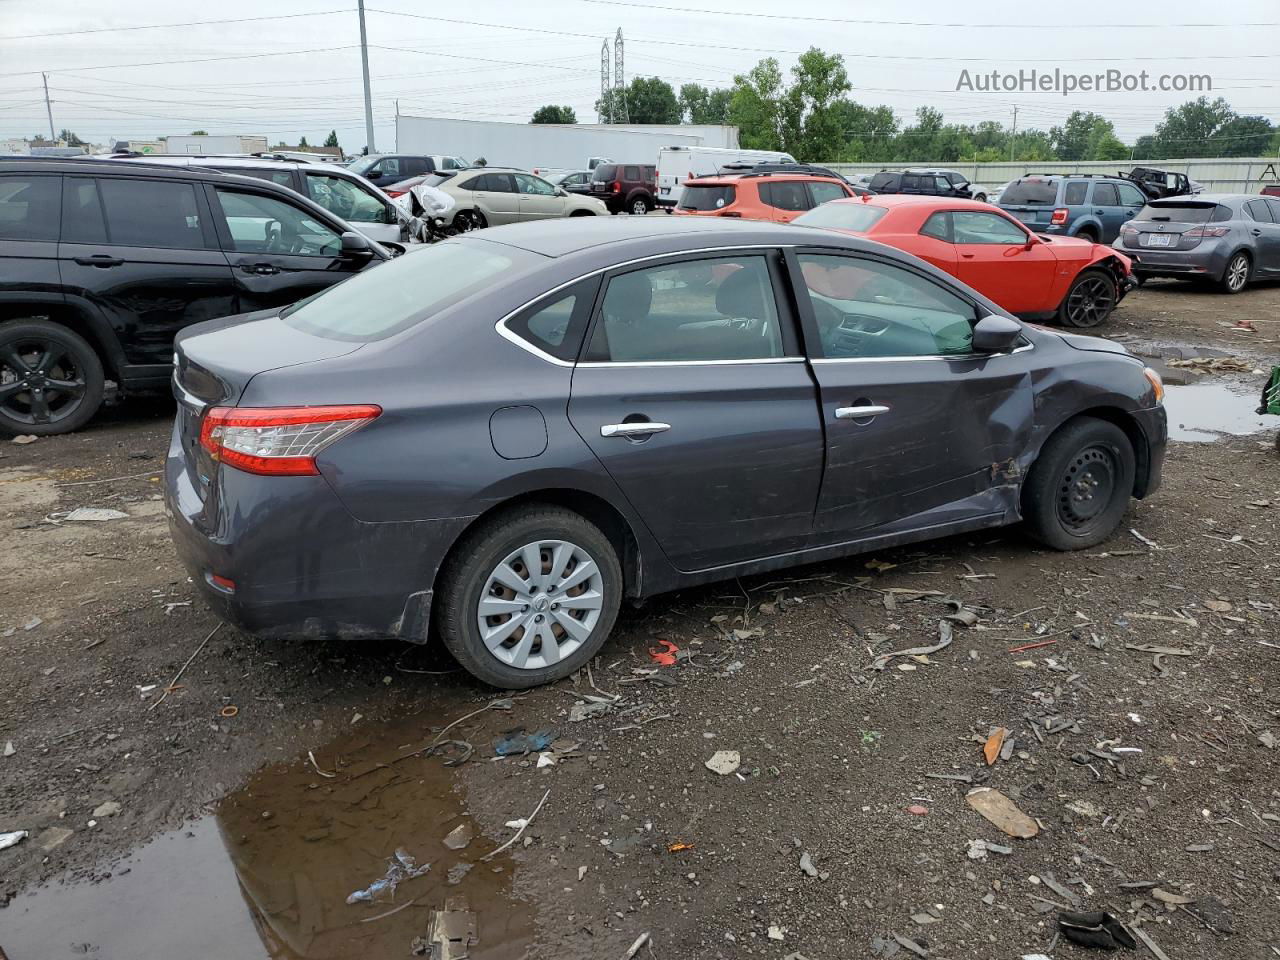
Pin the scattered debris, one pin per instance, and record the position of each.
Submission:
(1150, 543)
(177, 676)
(520, 826)
(676, 847)
(635, 947)
(506, 703)
(665, 657)
(402, 867)
(991, 749)
(909, 944)
(9, 749)
(1150, 944)
(12, 838)
(1217, 606)
(24, 438)
(451, 932)
(312, 757)
(95, 514)
(1001, 811)
(518, 743)
(1268, 739)
(229, 711)
(978, 849)
(1174, 899)
(589, 709)
(459, 836)
(724, 762)
(945, 634)
(776, 933)
(108, 809)
(918, 810)
(1096, 930)
(806, 865)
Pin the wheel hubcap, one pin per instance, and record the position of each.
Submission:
(1239, 271)
(1090, 302)
(540, 604)
(40, 382)
(1087, 488)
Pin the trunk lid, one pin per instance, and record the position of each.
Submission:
(1164, 225)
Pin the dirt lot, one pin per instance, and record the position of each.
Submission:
(1154, 778)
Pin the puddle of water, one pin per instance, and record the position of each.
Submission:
(269, 874)
(1201, 412)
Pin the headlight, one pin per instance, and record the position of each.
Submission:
(1157, 384)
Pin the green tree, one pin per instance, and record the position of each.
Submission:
(1187, 131)
(647, 100)
(71, 139)
(814, 118)
(755, 106)
(332, 139)
(1245, 137)
(554, 114)
(868, 132)
(1087, 136)
(693, 102)
(718, 105)
(199, 133)
(302, 143)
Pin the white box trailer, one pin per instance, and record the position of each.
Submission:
(208, 145)
(676, 164)
(544, 146)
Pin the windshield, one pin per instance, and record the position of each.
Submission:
(843, 216)
(377, 303)
(706, 198)
(1030, 191)
(1180, 212)
(362, 164)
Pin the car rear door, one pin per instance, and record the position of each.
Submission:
(1105, 202)
(694, 396)
(538, 199)
(142, 251)
(496, 197)
(1132, 200)
(992, 256)
(29, 205)
(279, 251)
(785, 199)
(920, 430)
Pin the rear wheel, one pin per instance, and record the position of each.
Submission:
(51, 380)
(1236, 277)
(1089, 300)
(1088, 233)
(1079, 487)
(980, 197)
(639, 207)
(529, 597)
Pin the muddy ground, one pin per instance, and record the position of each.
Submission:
(1168, 816)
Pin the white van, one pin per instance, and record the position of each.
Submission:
(678, 164)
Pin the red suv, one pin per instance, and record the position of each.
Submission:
(625, 187)
(780, 197)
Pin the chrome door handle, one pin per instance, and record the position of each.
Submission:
(860, 413)
(641, 429)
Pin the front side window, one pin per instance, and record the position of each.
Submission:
(973, 227)
(29, 208)
(822, 192)
(712, 309)
(785, 195)
(942, 184)
(1104, 195)
(1074, 193)
(867, 309)
(535, 186)
(1130, 195)
(387, 168)
(152, 213)
(345, 198)
(259, 224)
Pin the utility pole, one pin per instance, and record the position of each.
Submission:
(48, 108)
(1013, 134)
(368, 97)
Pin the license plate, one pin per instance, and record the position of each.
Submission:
(1025, 217)
(666, 190)
(1160, 240)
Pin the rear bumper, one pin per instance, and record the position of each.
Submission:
(1154, 424)
(300, 563)
(1210, 262)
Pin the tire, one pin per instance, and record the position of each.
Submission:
(467, 220)
(1088, 234)
(498, 544)
(582, 213)
(639, 207)
(980, 197)
(51, 380)
(1086, 458)
(1236, 277)
(1090, 300)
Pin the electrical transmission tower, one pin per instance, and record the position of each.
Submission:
(619, 85)
(606, 103)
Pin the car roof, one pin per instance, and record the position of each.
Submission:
(1206, 198)
(731, 179)
(634, 237)
(915, 200)
(135, 168)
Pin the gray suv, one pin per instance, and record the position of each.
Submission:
(1073, 205)
(1227, 238)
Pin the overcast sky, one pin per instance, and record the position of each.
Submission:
(301, 75)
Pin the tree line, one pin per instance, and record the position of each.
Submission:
(810, 115)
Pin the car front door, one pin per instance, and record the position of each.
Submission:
(1107, 208)
(279, 251)
(920, 430)
(144, 254)
(694, 396)
(538, 199)
(496, 197)
(348, 200)
(1132, 200)
(1003, 261)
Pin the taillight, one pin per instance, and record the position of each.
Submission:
(279, 441)
(1129, 236)
(1060, 215)
(617, 187)
(1201, 232)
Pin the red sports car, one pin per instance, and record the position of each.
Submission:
(1036, 277)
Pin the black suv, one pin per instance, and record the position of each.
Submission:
(103, 262)
(625, 187)
(927, 183)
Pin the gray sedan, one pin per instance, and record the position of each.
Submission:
(497, 440)
(1229, 239)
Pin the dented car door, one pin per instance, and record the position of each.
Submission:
(920, 429)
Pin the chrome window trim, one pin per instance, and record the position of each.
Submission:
(688, 363)
(953, 356)
(507, 334)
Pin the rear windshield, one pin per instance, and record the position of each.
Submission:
(1182, 212)
(707, 198)
(1030, 191)
(881, 180)
(605, 171)
(842, 216)
(385, 299)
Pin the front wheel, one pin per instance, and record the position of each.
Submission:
(468, 220)
(51, 381)
(1236, 276)
(980, 197)
(1079, 487)
(529, 597)
(1089, 300)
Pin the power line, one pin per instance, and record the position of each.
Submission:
(166, 26)
(166, 63)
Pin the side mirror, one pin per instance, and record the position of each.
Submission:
(994, 334)
(1031, 241)
(355, 246)
(395, 249)
(561, 192)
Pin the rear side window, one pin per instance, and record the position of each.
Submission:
(707, 198)
(785, 195)
(475, 183)
(650, 173)
(1259, 211)
(842, 216)
(822, 192)
(82, 217)
(1075, 192)
(938, 226)
(1030, 192)
(1105, 195)
(556, 325)
(283, 177)
(631, 174)
(152, 213)
(375, 304)
(910, 181)
(29, 208)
